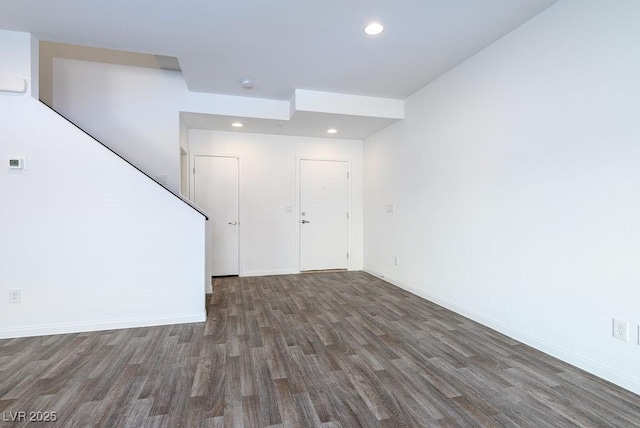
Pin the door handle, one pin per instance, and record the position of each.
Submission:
(305, 221)
(233, 223)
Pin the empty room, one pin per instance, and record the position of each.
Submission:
(290, 213)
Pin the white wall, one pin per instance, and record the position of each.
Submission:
(91, 242)
(15, 51)
(133, 110)
(268, 184)
(517, 188)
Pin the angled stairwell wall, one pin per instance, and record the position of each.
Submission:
(90, 241)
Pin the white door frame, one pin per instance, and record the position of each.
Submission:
(192, 196)
(298, 218)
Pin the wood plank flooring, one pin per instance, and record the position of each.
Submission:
(341, 349)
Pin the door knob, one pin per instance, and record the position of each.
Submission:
(305, 221)
(233, 223)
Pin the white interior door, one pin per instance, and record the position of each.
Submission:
(216, 189)
(324, 222)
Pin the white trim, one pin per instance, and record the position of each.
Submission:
(269, 272)
(240, 218)
(565, 355)
(297, 216)
(299, 159)
(44, 330)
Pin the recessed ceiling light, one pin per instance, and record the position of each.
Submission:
(374, 29)
(332, 131)
(237, 125)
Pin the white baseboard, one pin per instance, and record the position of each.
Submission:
(283, 272)
(269, 272)
(45, 330)
(558, 352)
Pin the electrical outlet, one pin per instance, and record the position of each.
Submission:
(395, 260)
(621, 329)
(14, 295)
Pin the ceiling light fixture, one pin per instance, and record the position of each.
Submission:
(247, 83)
(332, 131)
(237, 125)
(373, 29)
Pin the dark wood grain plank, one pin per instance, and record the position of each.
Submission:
(340, 349)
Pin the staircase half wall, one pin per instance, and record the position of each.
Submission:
(89, 241)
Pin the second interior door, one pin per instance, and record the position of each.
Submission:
(216, 188)
(324, 208)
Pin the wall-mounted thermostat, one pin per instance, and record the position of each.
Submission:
(16, 163)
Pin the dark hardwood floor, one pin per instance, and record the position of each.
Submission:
(329, 349)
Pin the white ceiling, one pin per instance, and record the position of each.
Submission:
(283, 44)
